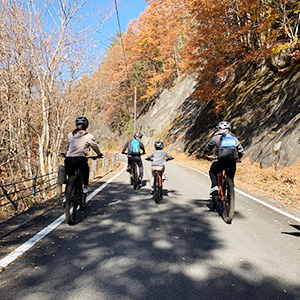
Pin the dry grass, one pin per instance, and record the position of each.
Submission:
(282, 185)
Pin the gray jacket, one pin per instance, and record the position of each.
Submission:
(215, 142)
(159, 157)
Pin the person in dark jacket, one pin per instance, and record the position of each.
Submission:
(217, 166)
(135, 157)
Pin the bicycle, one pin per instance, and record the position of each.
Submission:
(75, 195)
(134, 176)
(158, 185)
(225, 195)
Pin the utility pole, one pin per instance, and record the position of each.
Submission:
(134, 122)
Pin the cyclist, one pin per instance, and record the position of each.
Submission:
(134, 148)
(78, 146)
(220, 164)
(158, 158)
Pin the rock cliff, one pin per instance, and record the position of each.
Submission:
(263, 105)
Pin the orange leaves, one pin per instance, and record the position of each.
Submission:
(173, 37)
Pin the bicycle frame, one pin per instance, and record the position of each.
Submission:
(133, 174)
(221, 181)
(226, 196)
(158, 189)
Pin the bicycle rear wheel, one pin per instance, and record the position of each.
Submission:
(135, 177)
(229, 201)
(156, 194)
(70, 200)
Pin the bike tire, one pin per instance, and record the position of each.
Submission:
(156, 194)
(135, 177)
(215, 199)
(70, 200)
(82, 199)
(229, 201)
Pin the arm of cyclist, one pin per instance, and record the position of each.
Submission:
(126, 147)
(168, 157)
(142, 148)
(150, 157)
(95, 147)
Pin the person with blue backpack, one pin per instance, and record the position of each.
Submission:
(134, 148)
(228, 151)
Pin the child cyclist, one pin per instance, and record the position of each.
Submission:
(158, 158)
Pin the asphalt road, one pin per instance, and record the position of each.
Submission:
(125, 246)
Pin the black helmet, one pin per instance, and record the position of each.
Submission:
(137, 135)
(224, 125)
(158, 145)
(82, 121)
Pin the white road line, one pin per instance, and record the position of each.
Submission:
(31, 242)
(253, 198)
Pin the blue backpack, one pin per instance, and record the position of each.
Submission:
(227, 151)
(134, 147)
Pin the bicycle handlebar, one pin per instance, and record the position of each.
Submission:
(126, 153)
(88, 157)
(149, 159)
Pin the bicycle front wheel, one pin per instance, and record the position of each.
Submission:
(70, 200)
(229, 201)
(81, 197)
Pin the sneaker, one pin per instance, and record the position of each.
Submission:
(164, 177)
(152, 191)
(214, 190)
(86, 189)
(128, 169)
(140, 180)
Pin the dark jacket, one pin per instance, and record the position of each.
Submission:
(215, 142)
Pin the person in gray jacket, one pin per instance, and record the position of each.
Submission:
(78, 146)
(158, 158)
(218, 165)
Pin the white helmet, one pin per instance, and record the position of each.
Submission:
(224, 125)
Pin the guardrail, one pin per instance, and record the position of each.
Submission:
(37, 185)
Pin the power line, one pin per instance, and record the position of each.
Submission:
(121, 37)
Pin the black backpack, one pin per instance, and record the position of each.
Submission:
(227, 151)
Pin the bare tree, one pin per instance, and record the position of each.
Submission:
(45, 50)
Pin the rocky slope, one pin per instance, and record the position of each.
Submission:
(263, 104)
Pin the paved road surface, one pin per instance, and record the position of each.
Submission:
(125, 246)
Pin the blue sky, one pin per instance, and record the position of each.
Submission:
(128, 10)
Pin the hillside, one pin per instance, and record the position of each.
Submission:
(262, 105)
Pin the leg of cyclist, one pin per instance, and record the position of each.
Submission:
(230, 169)
(85, 169)
(155, 168)
(128, 163)
(215, 168)
(138, 160)
(141, 168)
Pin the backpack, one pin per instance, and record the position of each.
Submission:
(134, 147)
(227, 151)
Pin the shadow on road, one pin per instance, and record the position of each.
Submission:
(127, 247)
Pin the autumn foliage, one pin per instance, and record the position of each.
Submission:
(204, 37)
